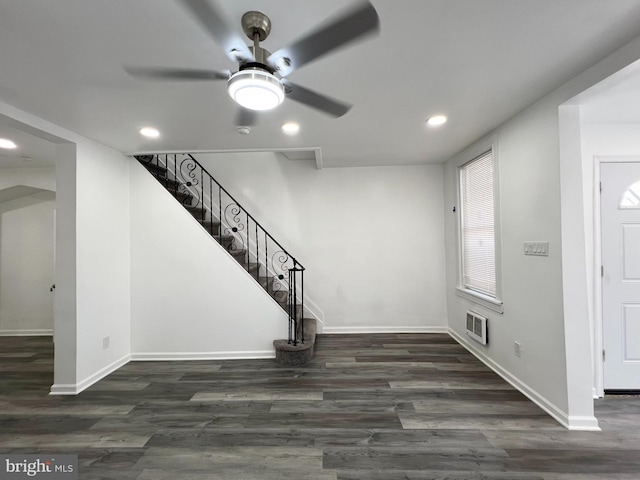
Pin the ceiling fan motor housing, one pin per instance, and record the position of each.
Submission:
(260, 55)
(254, 22)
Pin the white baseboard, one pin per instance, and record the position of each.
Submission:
(588, 424)
(390, 329)
(74, 389)
(35, 332)
(168, 356)
(63, 389)
(567, 421)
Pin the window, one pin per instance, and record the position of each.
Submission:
(631, 198)
(477, 229)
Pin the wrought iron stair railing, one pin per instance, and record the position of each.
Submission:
(263, 257)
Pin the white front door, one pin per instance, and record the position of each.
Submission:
(620, 211)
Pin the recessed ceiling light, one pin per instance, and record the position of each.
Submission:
(290, 128)
(149, 132)
(436, 120)
(6, 143)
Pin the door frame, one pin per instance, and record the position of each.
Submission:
(598, 324)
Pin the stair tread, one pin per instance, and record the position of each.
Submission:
(224, 238)
(149, 163)
(181, 195)
(154, 169)
(284, 345)
(251, 266)
(159, 172)
(299, 354)
(167, 181)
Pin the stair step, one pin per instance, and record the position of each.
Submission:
(289, 354)
(285, 305)
(310, 328)
(211, 227)
(154, 169)
(160, 173)
(267, 282)
(225, 240)
(198, 212)
(239, 255)
(253, 268)
(169, 184)
(183, 197)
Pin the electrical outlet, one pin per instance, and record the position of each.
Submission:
(517, 349)
(105, 342)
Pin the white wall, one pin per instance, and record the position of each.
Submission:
(26, 264)
(92, 255)
(65, 302)
(189, 298)
(545, 298)
(370, 238)
(43, 178)
(529, 191)
(103, 259)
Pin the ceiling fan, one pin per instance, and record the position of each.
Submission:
(260, 83)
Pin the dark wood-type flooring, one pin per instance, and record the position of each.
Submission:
(379, 407)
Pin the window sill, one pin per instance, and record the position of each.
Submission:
(484, 300)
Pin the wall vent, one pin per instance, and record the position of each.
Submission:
(477, 328)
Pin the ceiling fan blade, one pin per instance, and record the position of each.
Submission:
(316, 100)
(161, 73)
(216, 25)
(355, 23)
(246, 117)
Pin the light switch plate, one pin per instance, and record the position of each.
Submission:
(540, 249)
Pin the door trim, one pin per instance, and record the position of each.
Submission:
(598, 323)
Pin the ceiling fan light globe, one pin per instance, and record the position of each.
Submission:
(256, 89)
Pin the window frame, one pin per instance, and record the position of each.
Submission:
(480, 148)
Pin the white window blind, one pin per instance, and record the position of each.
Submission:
(477, 225)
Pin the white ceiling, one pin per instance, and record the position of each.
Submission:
(615, 99)
(477, 61)
(33, 152)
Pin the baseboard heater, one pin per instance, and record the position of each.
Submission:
(477, 327)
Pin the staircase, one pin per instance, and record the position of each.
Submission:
(227, 222)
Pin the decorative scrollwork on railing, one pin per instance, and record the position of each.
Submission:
(280, 277)
(192, 195)
(235, 244)
(232, 217)
(279, 263)
(234, 227)
(187, 170)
